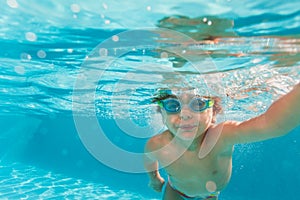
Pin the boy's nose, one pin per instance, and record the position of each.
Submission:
(185, 113)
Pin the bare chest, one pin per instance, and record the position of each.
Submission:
(190, 165)
(191, 174)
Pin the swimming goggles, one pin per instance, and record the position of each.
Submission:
(196, 104)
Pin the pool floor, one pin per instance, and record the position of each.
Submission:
(21, 181)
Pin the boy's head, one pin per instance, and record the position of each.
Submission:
(170, 101)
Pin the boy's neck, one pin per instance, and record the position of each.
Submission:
(195, 144)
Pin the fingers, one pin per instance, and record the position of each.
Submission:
(157, 187)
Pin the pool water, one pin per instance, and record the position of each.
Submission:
(77, 77)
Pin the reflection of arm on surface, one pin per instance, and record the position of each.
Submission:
(281, 117)
(199, 28)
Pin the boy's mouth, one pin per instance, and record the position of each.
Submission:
(187, 127)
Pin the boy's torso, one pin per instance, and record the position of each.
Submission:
(194, 176)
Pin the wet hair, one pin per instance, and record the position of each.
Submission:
(217, 107)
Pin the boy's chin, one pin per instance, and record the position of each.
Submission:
(187, 135)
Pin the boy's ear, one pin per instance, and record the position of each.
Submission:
(163, 113)
(213, 119)
(214, 116)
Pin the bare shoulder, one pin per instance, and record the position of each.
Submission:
(230, 126)
(229, 131)
(158, 141)
(223, 132)
(227, 128)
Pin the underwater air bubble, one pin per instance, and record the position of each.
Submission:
(105, 6)
(64, 152)
(115, 38)
(164, 55)
(148, 8)
(12, 3)
(103, 52)
(30, 36)
(70, 50)
(25, 56)
(41, 54)
(79, 163)
(256, 60)
(211, 186)
(75, 8)
(20, 70)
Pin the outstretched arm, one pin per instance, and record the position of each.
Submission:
(281, 117)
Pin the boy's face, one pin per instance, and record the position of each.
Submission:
(187, 124)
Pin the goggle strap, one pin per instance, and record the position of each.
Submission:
(210, 103)
(160, 104)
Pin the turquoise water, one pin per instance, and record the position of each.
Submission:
(76, 78)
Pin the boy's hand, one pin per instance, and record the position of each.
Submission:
(157, 183)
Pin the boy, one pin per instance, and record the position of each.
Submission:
(196, 153)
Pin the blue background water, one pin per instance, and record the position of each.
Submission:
(43, 46)
(49, 160)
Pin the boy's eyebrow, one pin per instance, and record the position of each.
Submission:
(201, 96)
(163, 97)
(168, 96)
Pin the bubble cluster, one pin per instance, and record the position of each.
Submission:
(25, 56)
(208, 22)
